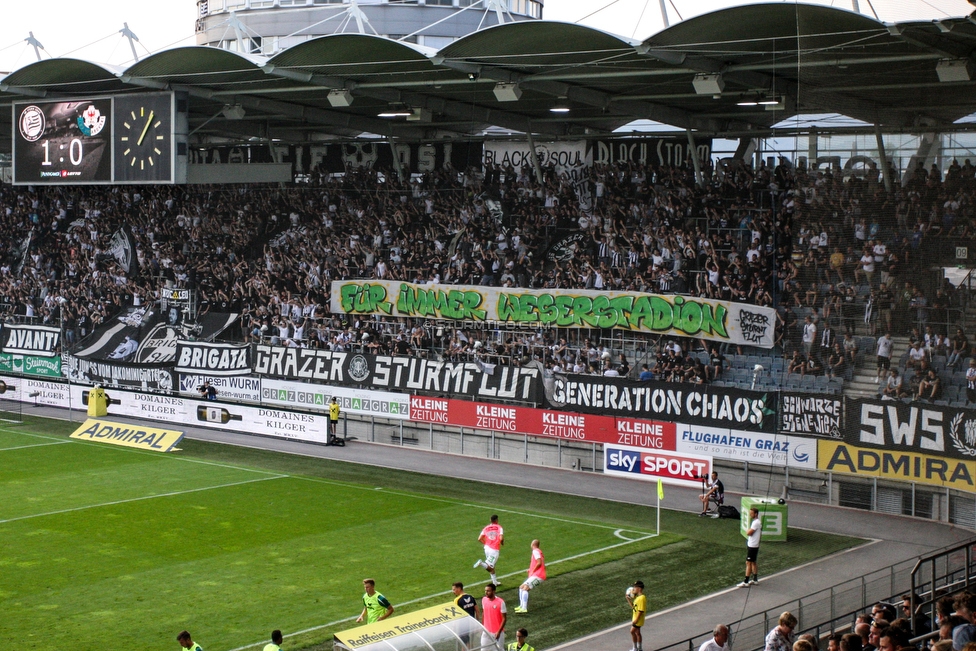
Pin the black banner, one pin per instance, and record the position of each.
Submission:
(30, 340)
(687, 403)
(659, 151)
(219, 360)
(407, 374)
(914, 427)
(811, 413)
(121, 375)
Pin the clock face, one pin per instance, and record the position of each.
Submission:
(144, 138)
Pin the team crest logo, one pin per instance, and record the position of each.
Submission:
(91, 122)
(32, 124)
(358, 368)
(966, 444)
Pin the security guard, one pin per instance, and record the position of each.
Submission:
(334, 422)
(520, 644)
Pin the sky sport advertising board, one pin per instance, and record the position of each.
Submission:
(678, 468)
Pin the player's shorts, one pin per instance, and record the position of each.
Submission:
(491, 556)
(884, 362)
(752, 553)
(532, 582)
(488, 641)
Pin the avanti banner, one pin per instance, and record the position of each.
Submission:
(681, 316)
(30, 339)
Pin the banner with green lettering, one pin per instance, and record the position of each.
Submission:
(682, 316)
(32, 365)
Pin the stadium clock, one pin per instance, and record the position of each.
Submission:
(144, 138)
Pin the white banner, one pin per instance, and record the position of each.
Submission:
(362, 402)
(572, 157)
(174, 410)
(681, 316)
(245, 389)
(755, 447)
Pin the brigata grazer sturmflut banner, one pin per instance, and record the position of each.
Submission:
(406, 374)
(216, 360)
(666, 401)
(680, 316)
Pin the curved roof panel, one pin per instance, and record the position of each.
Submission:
(809, 58)
(199, 65)
(67, 76)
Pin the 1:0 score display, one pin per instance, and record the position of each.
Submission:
(63, 142)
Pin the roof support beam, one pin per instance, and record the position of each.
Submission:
(931, 42)
(310, 114)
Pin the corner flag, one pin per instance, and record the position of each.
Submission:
(660, 489)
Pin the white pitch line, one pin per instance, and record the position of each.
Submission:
(34, 445)
(37, 436)
(140, 499)
(443, 500)
(447, 592)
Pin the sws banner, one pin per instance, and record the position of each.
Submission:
(120, 374)
(407, 374)
(810, 413)
(216, 360)
(701, 405)
(39, 340)
(913, 427)
(679, 316)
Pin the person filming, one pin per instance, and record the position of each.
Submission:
(714, 492)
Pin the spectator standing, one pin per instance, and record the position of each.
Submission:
(781, 637)
(719, 641)
(885, 346)
(809, 335)
(971, 381)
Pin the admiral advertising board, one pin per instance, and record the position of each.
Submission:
(701, 405)
(406, 374)
(43, 341)
(678, 468)
(213, 360)
(898, 464)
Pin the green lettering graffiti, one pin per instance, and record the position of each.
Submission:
(653, 313)
(451, 304)
(364, 299)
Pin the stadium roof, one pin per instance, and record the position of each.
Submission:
(800, 59)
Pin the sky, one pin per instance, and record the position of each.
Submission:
(92, 32)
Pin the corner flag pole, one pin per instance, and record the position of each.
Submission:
(660, 496)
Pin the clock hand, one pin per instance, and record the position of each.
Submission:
(145, 128)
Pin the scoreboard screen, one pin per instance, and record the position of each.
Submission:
(63, 142)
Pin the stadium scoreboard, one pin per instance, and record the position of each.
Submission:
(121, 139)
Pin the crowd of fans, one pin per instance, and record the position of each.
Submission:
(832, 250)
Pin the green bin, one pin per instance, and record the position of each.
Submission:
(773, 516)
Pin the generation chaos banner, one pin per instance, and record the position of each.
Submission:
(700, 405)
(680, 316)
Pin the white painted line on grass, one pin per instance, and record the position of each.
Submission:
(33, 445)
(37, 436)
(659, 613)
(447, 592)
(140, 499)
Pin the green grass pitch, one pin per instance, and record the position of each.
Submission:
(108, 547)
